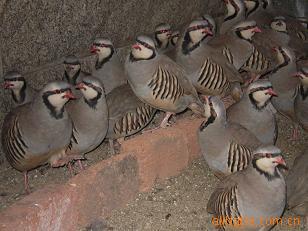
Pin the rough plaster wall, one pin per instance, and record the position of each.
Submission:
(37, 34)
(295, 7)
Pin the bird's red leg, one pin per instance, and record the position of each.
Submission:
(80, 165)
(70, 169)
(26, 182)
(111, 145)
(165, 122)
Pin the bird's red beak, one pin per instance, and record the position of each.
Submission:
(271, 92)
(7, 85)
(69, 95)
(80, 86)
(279, 160)
(93, 49)
(297, 75)
(257, 30)
(136, 46)
(207, 31)
(274, 49)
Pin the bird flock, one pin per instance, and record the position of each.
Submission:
(236, 76)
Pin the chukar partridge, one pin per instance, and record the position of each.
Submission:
(171, 53)
(235, 14)
(258, 10)
(73, 73)
(207, 68)
(254, 111)
(236, 45)
(90, 119)
(226, 147)
(162, 37)
(249, 198)
(297, 186)
(159, 81)
(21, 92)
(39, 132)
(127, 114)
(108, 68)
(286, 37)
(284, 85)
(301, 100)
(211, 22)
(72, 70)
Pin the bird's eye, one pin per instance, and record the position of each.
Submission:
(268, 155)
(57, 91)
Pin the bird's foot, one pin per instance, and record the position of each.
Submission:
(26, 182)
(295, 134)
(165, 122)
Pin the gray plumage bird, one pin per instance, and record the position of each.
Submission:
(72, 70)
(254, 111)
(21, 92)
(73, 73)
(279, 35)
(236, 45)
(127, 114)
(284, 85)
(159, 81)
(39, 132)
(301, 99)
(162, 36)
(108, 68)
(297, 187)
(90, 119)
(254, 195)
(206, 67)
(235, 14)
(227, 147)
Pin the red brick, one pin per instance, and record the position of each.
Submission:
(109, 184)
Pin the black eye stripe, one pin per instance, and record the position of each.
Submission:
(198, 27)
(102, 45)
(15, 79)
(98, 89)
(260, 89)
(57, 91)
(162, 31)
(246, 28)
(144, 44)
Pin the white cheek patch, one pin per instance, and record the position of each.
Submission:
(247, 34)
(57, 100)
(104, 52)
(144, 53)
(261, 96)
(231, 9)
(17, 85)
(250, 5)
(89, 93)
(304, 80)
(196, 35)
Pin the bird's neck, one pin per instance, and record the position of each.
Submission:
(102, 59)
(72, 79)
(93, 102)
(19, 95)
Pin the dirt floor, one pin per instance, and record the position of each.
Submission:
(179, 203)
